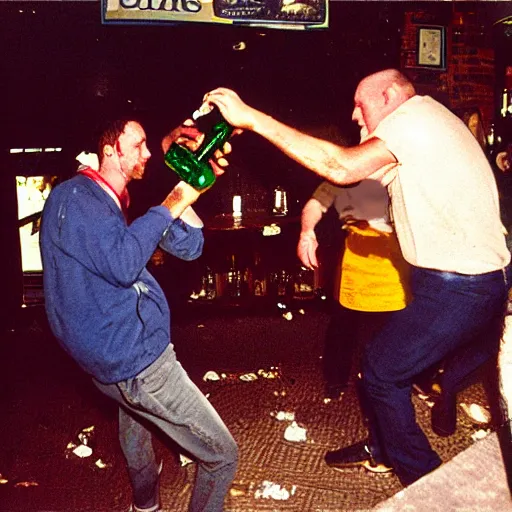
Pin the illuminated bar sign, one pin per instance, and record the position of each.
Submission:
(282, 14)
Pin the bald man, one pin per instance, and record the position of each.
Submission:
(445, 209)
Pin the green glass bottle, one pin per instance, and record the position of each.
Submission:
(193, 167)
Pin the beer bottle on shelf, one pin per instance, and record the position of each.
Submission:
(280, 282)
(193, 167)
(234, 279)
(209, 284)
(280, 207)
(259, 277)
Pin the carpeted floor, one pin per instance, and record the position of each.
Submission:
(47, 401)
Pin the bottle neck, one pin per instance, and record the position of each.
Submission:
(213, 141)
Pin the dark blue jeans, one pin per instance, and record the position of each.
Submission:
(449, 312)
(164, 395)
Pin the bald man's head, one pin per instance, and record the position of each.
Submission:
(378, 95)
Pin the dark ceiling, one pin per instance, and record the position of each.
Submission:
(64, 68)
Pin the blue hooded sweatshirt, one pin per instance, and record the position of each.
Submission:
(105, 308)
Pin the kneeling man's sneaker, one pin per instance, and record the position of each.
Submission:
(355, 455)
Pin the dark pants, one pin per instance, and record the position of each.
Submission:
(449, 312)
(347, 331)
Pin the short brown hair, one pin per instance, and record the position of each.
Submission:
(111, 132)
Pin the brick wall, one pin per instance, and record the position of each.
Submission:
(468, 78)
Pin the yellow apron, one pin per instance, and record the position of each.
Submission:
(374, 274)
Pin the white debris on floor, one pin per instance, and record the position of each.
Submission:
(273, 373)
(211, 375)
(184, 460)
(240, 46)
(476, 412)
(85, 435)
(295, 433)
(82, 451)
(248, 377)
(283, 415)
(3, 480)
(480, 434)
(235, 493)
(100, 464)
(271, 490)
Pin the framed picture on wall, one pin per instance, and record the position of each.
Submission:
(431, 47)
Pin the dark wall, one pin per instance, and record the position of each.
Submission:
(63, 63)
(64, 72)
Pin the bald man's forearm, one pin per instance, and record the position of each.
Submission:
(338, 164)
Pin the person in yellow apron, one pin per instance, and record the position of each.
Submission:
(373, 276)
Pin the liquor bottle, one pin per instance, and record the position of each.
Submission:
(208, 285)
(235, 279)
(280, 284)
(304, 283)
(280, 202)
(259, 278)
(193, 167)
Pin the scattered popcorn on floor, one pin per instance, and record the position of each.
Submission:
(274, 491)
(479, 434)
(248, 377)
(271, 374)
(83, 451)
(211, 375)
(477, 413)
(284, 416)
(295, 433)
(184, 460)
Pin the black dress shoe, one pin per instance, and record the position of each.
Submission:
(357, 454)
(444, 416)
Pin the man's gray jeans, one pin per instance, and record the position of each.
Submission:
(164, 395)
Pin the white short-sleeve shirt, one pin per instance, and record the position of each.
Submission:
(368, 200)
(444, 199)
